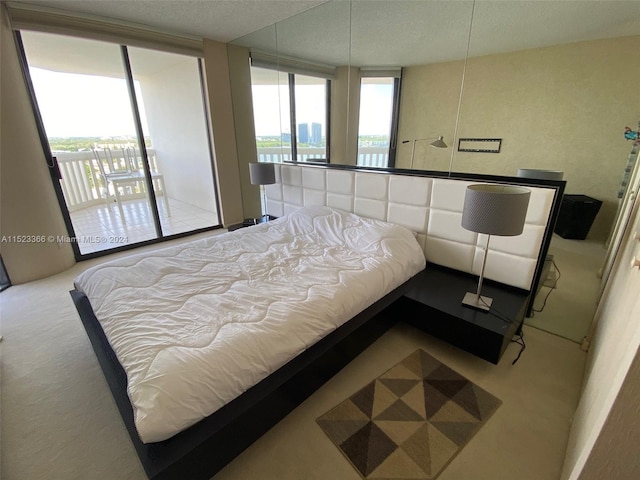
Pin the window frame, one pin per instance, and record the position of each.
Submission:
(395, 109)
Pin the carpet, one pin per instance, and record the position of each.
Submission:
(410, 422)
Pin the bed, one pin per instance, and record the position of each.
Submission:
(206, 345)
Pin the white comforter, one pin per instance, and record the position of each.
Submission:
(196, 325)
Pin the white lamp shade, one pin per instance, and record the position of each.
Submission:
(495, 209)
(540, 174)
(262, 173)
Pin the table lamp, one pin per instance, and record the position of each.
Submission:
(261, 173)
(493, 210)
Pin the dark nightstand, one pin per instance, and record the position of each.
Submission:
(249, 222)
(434, 304)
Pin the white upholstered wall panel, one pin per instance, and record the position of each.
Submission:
(369, 208)
(449, 253)
(340, 181)
(410, 190)
(291, 175)
(314, 197)
(409, 216)
(343, 202)
(430, 207)
(314, 179)
(444, 224)
(448, 194)
(372, 185)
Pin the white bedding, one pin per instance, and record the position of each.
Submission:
(196, 325)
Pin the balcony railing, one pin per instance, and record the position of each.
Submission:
(367, 156)
(84, 186)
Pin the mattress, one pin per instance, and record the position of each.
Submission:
(196, 325)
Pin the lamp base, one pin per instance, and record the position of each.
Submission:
(481, 303)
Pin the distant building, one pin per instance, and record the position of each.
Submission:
(316, 134)
(286, 137)
(303, 133)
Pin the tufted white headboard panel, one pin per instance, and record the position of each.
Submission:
(430, 207)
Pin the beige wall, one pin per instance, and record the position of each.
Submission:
(28, 204)
(224, 135)
(563, 108)
(345, 106)
(240, 75)
(428, 108)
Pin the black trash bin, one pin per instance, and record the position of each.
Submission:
(577, 213)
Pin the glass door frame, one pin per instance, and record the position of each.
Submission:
(55, 174)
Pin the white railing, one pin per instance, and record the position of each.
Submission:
(373, 157)
(82, 183)
(367, 156)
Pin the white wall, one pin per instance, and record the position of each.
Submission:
(174, 105)
(602, 433)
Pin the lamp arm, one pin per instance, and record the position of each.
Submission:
(413, 151)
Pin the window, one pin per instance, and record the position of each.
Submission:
(291, 116)
(271, 114)
(311, 121)
(377, 126)
(127, 128)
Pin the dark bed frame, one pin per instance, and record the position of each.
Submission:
(206, 447)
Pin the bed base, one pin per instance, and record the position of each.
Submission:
(206, 447)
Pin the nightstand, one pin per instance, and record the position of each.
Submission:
(249, 222)
(434, 304)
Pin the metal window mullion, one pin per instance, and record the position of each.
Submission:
(292, 116)
(395, 116)
(143, 148)
(205, 108)
(327, 97)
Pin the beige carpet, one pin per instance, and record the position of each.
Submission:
(571, 305)
(411, 421)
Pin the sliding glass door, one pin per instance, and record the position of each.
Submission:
(168, 89)
(83, 100)
(127, 128)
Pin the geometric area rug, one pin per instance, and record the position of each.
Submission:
(410, 422)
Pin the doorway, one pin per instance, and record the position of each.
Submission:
(128, 135)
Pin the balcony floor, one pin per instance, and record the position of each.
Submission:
(100, 227)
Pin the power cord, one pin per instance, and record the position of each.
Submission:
(519, 341)
(505, 319)
(555, 284)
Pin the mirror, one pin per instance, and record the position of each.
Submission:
(308, 49)
(365, 44)
(555, 81)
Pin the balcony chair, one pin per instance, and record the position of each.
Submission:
(120, 177)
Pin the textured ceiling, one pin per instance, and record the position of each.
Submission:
(222, 20)
(377, 32)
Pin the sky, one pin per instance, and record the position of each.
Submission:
(75, 105)
(270, 106)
